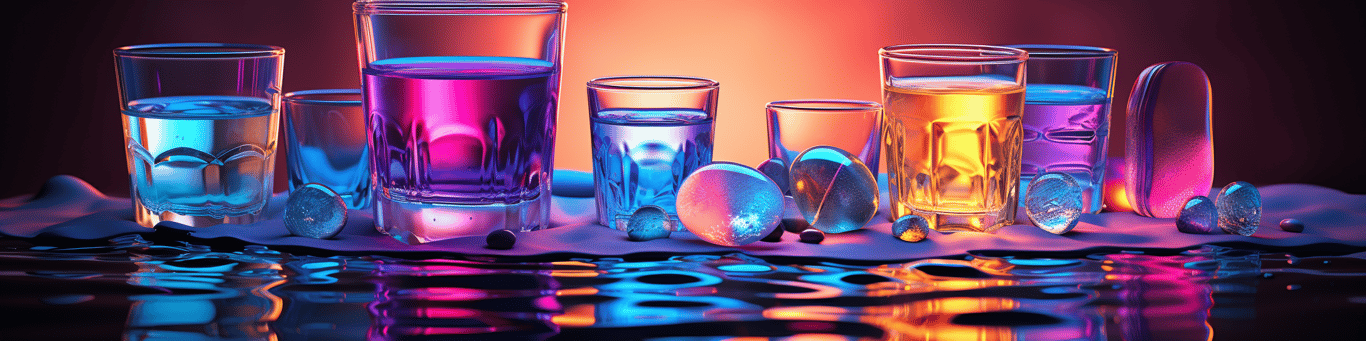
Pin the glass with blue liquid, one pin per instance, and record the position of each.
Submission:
(327, 143)
(1067, 116)
(649, 133)
(199, 126)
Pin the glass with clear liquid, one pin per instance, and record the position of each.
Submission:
(200, 124)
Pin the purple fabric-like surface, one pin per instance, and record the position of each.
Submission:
(67, 208)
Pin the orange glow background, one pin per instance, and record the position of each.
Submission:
(1284, 91)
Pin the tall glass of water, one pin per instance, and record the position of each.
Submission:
(1067, 115)
(199, 127)
(461, 100)
(649, 133)
(327, 143)
(952, 133)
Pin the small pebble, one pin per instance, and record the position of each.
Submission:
(773, 237)
(910, 228)
(1292, 225)
(501, 239)
(1198, 216)
(649, 223)
(795, 225)
(812, 236)
(315, 211)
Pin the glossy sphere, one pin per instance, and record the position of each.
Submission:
(812, 236)
(1054, 202)
(501, 239)
(776, 171)
(648, 223)
(1169, 151)
(1292, 225)
(1199, 216)
(911, 228)
(833, 189)
(1240, 208)
(729, 204)
(315, 211)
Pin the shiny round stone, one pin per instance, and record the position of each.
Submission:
(1240, 208)
(1054, 202)
(833, 189)
(1198, 216)
(775, 236)
(776, 171)
(795, 225)
(1292, 225)
(315, 211)
(812, 236)
(649, 223)
(729, 204)
(911, 228)
(501, 239)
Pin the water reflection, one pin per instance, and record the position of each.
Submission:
(191, 293)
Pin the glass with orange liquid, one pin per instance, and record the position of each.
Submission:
(952, 134)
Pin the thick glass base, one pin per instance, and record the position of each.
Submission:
(988, 222)
(416, 223)
(146, 217)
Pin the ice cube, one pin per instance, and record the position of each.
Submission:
(315, 211)
(1054, 202)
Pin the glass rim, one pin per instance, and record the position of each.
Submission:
(420, 7)
(942, 53)
(1064, 51)
(199, 50)
(652, 83)
(301, 97)
(825, 105)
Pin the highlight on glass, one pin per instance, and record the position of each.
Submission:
(1067, 116)
(461, 100)
(797, 125)
(327, 144)
(649, 133)
(952, 133)
(199, 126)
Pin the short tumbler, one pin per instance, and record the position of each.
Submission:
(952, 133)
(327, 144)
(649, 133)
(199, 127)
(461, 100)
(1067, 115)
(852, 126)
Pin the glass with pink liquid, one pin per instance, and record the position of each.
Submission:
(460, 100)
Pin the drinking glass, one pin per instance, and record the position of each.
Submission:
(325, 132)
(199, 127)
(461, 100)
(952, 133)
(852, 126)
(1067, 115)
(649, 133)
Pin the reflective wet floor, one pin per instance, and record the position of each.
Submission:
(136, 290)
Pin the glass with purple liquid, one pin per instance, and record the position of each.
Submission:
(649, 133)
(460, 100)
(1067, 115)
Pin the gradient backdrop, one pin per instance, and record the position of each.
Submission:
(1285, 107)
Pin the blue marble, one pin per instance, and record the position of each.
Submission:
(1240, 208)
(1054, 202)
(315, 211)
(1199, 216)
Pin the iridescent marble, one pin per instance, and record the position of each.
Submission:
(729, 204)
(1240, 208)
(315, 211)
(833, 189)
(1199, 216)
(649, 223)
